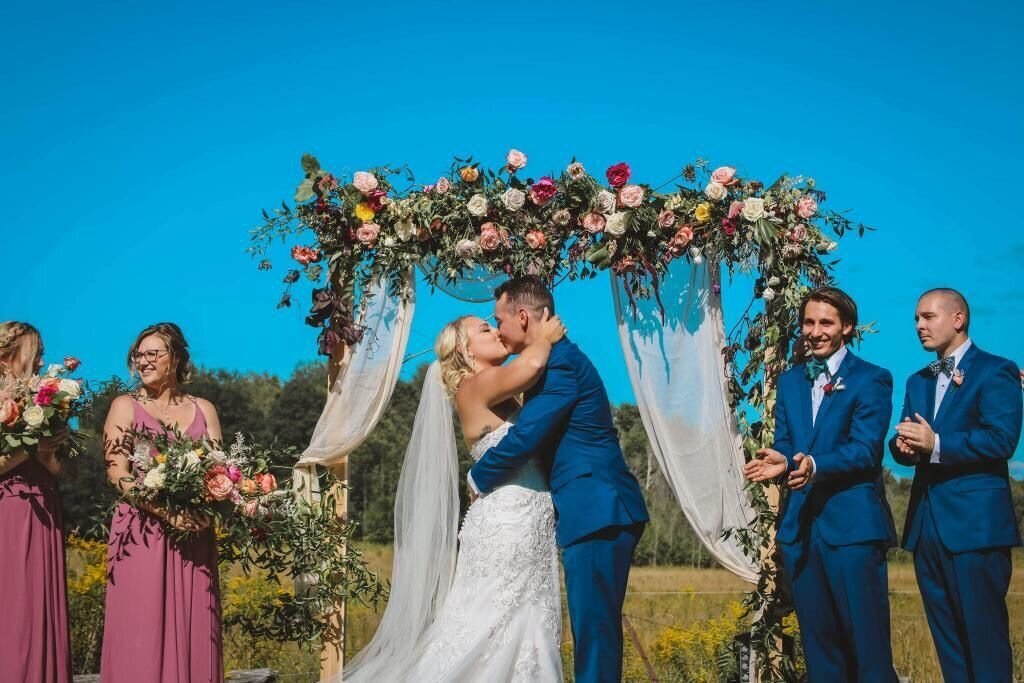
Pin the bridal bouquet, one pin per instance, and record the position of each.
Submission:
(39, 406)
(181, 474)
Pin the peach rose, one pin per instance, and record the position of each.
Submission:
(9, 411)
(469, 174)
(724, 175)
(798, 233)
(515, 160)
(364, 182)
(267, 482)
(367, 233)
(684, 235)
(249, 486)
(252, 508)
(535, 239)
(219, 486)
(593, 223)
(631, 196)
(806, 207)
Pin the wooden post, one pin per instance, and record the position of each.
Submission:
(332, 653)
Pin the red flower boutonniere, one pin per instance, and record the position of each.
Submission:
(957, 377)
(834, 385)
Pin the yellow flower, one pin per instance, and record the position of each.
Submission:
(199, 453)
(160, 458)
(364, 212)
(703, 212)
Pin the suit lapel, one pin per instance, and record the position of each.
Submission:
(848, 364)
(953, 391)
(804, 409)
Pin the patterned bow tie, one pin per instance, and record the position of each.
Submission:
(945, 365)
(815, 367)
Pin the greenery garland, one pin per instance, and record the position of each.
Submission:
(363, 228)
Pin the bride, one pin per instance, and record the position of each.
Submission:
(487, 606)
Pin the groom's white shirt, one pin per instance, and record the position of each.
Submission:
(941, 386)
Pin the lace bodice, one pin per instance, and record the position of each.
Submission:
(529, 476)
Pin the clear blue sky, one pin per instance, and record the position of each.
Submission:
(140, 141)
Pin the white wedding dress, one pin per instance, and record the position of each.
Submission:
(502, 617)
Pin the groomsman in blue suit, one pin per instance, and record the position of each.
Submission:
(566, 424)
(831, 417)
(961, 423)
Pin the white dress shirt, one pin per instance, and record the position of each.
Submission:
(818, 390)
(941, 385)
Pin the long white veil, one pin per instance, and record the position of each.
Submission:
(426, 536)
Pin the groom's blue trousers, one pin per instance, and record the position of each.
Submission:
(841, 595)
(596, 571)
(965, 600)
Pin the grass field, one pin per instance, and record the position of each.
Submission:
(689, 603)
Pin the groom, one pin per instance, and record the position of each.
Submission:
(566, 423)
(961, 422)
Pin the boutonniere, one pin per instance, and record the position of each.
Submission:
(834, 385)
(957, 377)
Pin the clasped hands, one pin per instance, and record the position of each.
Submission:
(770, 464)
(914, 439)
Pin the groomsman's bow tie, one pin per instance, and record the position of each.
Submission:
(945, 365)
(815, 367)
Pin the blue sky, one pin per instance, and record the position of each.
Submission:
(141, 140)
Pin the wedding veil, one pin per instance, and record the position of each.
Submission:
(426, 536)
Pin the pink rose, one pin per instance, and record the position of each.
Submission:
(491, 236)
(367, 233)
(683, 236)
(328, 183)
(515, 160)
(442, 185)
(9, 412)
(627, 264)
(798, 233)
(364, 182)
(542, 191)
(44, 396)
(806, 207)
(234, 474)
(535, 239)
(219, 486)
(71, 363)
(427, 189)
(724, 175)
(252, 508)
(666, 219)
(267, 482)
(618, 174)
(631, 196)
(735, 208)
(593, 223)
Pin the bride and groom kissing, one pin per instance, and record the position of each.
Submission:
(549, 475)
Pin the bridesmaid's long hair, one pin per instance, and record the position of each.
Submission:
(12, 335)
(172, 335)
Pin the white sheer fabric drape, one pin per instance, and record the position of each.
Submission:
(678, 377)
(363, 387)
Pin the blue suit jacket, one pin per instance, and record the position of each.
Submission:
(567, 422)
(978, 424)
(846, 498)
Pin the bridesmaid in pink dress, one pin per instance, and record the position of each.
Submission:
(35, 643)
(162, 621)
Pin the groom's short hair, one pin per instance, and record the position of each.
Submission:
(955, 302)
(527, 291)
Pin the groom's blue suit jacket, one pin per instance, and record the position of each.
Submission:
(566, 421)
(978, 424)
(846, 498)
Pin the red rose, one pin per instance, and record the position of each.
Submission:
(729, 226)
(618, 175)
(542, 191)
(828, 388)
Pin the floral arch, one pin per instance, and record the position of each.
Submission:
(358, 239)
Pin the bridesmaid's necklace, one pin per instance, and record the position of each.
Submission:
(163, 411)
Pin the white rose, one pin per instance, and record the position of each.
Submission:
(467, 248)
(773, 281)
(54, 369)
(389, 241)
(477, 205)
(33, 416)
(405, 229)
(768, 294)
(605, 202)
(514, 199)
(191, 460)
(155, 478)
(753, 209)
(616, 224)
(716, 191)
(217, 456)
(71, 388)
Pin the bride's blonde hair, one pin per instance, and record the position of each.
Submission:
(452, 349)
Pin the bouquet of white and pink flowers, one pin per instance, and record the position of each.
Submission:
(39, 406)
(180, 474)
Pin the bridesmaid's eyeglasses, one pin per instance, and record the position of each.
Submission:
(150, 355)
